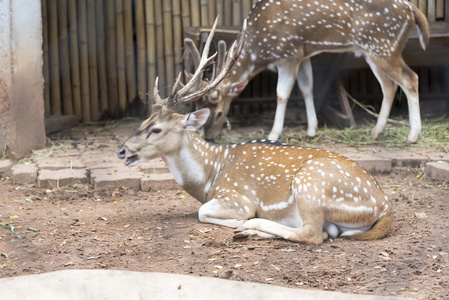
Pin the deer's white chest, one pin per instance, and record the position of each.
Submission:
(185, 169)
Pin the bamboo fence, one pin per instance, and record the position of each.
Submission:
(101, 57)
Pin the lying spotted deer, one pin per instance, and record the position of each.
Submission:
(284, 35)
(263, 189)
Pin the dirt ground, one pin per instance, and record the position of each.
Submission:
(81, 228)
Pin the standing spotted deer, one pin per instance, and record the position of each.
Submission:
(263, 189)
(284, 35)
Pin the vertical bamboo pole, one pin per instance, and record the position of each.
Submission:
(446, 12)
(121, 72)
(246, 7)
(54, 58)
(64, 58)
(129, 50)
(204, 13)
(74, 58)
(160, 44)
(195, 12)
(177, 33)
(422, 5)
(212, 13)
(46, 65)
(431, 10)
(414, 2)
(93, 72)
(111, 61)
(219, 11)
(101, 59)
(227, 18)
(186, 18)
(440, 9)
(141, 51)
(168, 42)
(236, 12)
(84, 60)
(151, 46)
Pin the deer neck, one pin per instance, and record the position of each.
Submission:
(245, 68)
(196, 165)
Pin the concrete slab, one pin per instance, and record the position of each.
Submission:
(156, 182)
(154, 166)
(24, 174)
(59, 178)
(59, 163)
(438, 170)
(115, 178)
(374, 165)
(5, 168)
(110, 284)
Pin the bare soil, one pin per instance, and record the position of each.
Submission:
(124, 229)
(81, 228)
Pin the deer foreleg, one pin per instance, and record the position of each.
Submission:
(286, 80)
(222, 212)
(305, 82)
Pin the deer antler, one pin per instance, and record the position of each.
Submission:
(177, 98)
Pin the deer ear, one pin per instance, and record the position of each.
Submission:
(188, 75)
(237, 88)
(195, 120)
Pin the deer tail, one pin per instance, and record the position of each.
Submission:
(422, 26)
(379, 229)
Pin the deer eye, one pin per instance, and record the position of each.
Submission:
(154, 130)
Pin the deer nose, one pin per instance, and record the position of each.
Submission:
(121, 153)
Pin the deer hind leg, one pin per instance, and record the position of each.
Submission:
(286, 80)
(399, 72)
(389, 88)
(305, 82)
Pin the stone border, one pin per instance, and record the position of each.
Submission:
(154, 175)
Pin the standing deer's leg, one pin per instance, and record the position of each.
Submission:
(286, 80)
(400, 73)
(389, 88)
(305, 82)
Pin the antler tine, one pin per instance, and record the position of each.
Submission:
(156, 96)
(204, 61)
(221, 58)
(233, 54)
(173, 90)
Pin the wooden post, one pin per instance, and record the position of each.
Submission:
(422, 5)
(101, 60)
(54, 58)
(111, 60)
(121, 73)
(141, 51)
(46, 64)
(129, 50)
(84, 60)
(74, 59)
(93, 72)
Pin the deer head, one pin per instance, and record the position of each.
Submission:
(163, 131)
